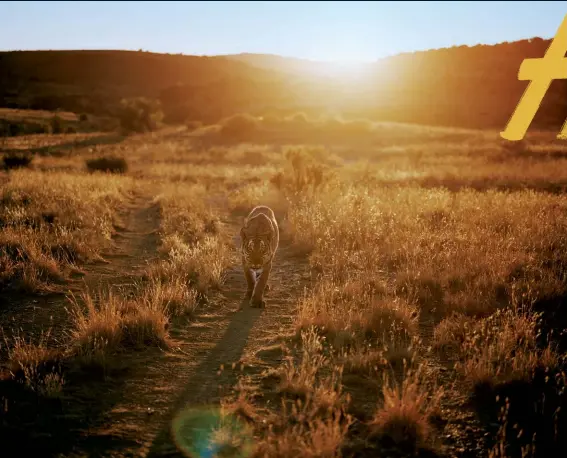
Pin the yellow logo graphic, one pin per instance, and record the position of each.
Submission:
(541, 72)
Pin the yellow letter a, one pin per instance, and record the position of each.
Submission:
(541, 72)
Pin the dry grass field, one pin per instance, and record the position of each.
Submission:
(417, 301)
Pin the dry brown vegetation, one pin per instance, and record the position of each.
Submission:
(53, 222)
(437, 266)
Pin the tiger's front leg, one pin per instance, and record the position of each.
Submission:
(250, 280)
(257, 299)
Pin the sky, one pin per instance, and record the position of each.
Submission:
(327, 31)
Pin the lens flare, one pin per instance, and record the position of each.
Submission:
(209, 433)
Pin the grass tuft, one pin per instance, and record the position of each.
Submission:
(108, 164)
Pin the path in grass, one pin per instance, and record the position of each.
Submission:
(58, 427)
(160, 384)
(133, 245)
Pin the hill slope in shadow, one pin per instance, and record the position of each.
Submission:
(474, 87)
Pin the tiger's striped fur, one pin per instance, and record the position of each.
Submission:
(259, 242)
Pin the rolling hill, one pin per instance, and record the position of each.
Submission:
(461, 86)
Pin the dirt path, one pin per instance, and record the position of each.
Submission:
(242, 335)
(130, 414)
(58, 428)
(133, 245)
(160, 384)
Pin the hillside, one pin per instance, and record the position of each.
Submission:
(94, 81)
(460, 86)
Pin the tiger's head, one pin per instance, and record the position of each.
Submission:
(256, 236)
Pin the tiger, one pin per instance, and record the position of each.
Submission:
(260, 238)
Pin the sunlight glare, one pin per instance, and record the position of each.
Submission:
(346, 70)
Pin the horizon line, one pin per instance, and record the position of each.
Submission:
(304, 59)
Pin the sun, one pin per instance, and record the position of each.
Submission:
(346, 62)
(351, 70)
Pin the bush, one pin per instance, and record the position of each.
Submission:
(10, 128)
(5, 128)
(109, 164)
(305, 171)
(15, 128)
(239, 127)
(56, 125)
(139, 114)
(36, 128)
(17, 160)
(193, 125)
(272, 121)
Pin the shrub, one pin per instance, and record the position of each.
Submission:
(17, 160)
(35, 365)
(139, 114)
(5, 128)
(106, 325)
(56, 125)
(404, 417)
(239, 127)
(193, 125)
(11, 129)
(37, 128)
(109, 164)
(305, 171)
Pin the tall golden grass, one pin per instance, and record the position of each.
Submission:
(430, 247)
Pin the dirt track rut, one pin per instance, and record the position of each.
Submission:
(190, 375)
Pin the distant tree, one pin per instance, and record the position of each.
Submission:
(56, 125)
(139, 114)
